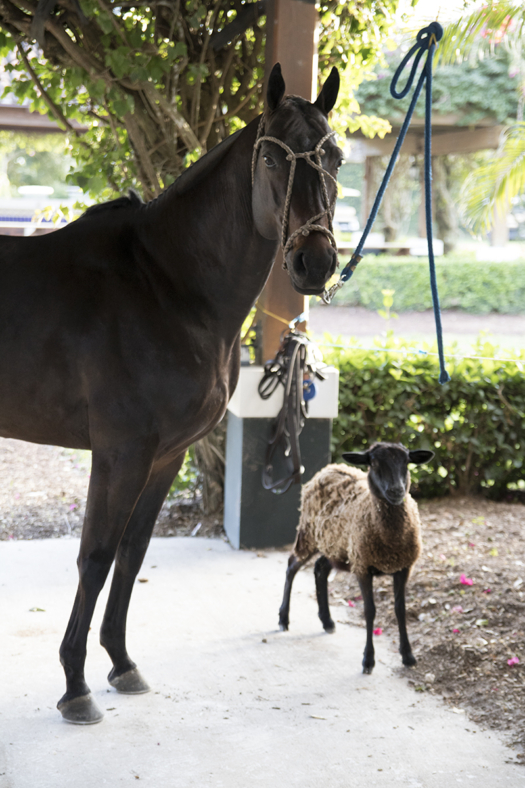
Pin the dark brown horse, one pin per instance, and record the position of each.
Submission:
(120, 334)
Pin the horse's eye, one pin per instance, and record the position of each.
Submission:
(339, 164)
(269, 161)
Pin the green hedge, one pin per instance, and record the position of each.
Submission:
(475, 423)
(464, 284)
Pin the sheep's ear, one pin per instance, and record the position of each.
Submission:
(328, 96)
(420, 456)
(357, 457)
(276, 88)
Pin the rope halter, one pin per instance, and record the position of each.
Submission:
(312, 225)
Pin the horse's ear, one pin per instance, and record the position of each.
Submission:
(276, 88)
(328, 96)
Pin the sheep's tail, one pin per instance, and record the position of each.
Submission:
(303, 547)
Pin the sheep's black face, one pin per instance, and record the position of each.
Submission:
(388, 477)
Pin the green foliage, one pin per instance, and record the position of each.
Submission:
(472, 91)
(153, 93)
(474, 424)
(353, 36)
(477, 33)
(463, 284)
(187, 480)
(492, 185)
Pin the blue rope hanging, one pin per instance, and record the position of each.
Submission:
(426, 41)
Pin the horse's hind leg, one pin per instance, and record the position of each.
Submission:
(125, 676)
(117, 479)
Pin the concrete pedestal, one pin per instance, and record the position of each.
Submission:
(253, 516)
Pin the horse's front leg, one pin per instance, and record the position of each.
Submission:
(118, 477)
(125, 676)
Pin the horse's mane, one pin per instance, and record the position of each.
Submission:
(191, 177)
(133, 200)
(194, 174)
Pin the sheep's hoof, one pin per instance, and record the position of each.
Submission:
(329, 627)
(284, 623)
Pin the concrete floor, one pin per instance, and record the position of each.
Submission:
(235, 703)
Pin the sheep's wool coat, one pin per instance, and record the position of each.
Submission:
(341, 519)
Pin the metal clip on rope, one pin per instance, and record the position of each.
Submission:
(426, 41)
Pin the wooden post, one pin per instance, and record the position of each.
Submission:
(291, 40)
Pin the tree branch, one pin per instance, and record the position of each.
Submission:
(57, 112)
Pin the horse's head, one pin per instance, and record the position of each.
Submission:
(293, 200)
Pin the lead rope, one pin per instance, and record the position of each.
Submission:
(427, 39)
(312, 224)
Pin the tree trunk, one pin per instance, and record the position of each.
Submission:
(445, 210)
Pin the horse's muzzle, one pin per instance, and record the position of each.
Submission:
(311, 268)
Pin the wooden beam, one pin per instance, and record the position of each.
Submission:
(443, 142)
(291, 27)
(466, 140)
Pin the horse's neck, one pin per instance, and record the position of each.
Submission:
(207, 239)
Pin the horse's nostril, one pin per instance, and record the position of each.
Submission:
(299, 263)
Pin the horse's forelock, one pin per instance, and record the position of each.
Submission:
(297, 122)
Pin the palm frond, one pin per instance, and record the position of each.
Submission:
(481, 30)
(494, 185)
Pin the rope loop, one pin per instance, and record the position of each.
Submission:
(427, 37)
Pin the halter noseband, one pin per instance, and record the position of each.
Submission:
(311, 225)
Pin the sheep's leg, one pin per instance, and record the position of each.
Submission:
(294, 564)
(367, 590)
(400, 581)
(321, 571)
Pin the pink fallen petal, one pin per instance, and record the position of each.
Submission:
(456, 631)
(466, 581)
(487, 590)
(378, 631)
(350, 603)
(513, 661)
(73, 506)
(457, 609)
(471, 544)
(443, 557)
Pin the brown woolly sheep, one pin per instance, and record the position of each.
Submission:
(366, 523)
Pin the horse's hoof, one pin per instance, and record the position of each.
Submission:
(80, 711)
(329, 627)
(129, 683)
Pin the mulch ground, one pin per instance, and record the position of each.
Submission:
(462, 634)
(43, 492)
